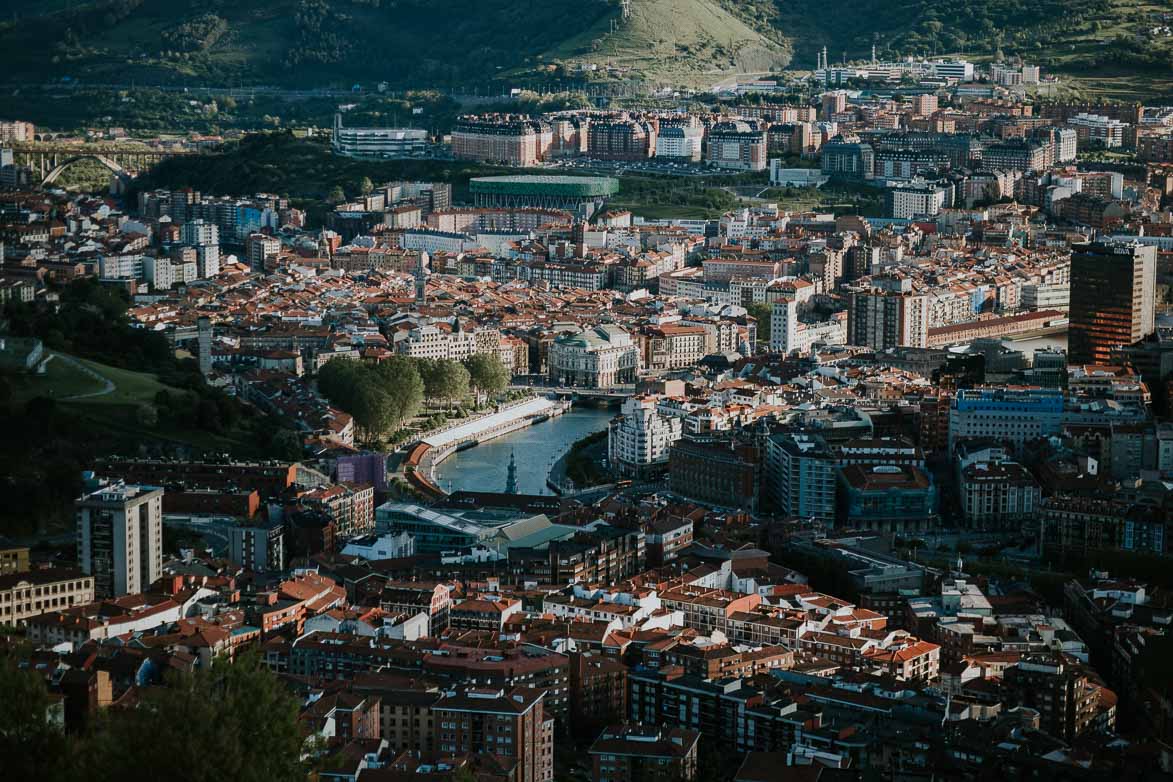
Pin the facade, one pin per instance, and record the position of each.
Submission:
(262, 251)
(887, 498)
(120, 537)
(913, 200)
(600, 554)
(13, 559)
(17, 131)
(29, 594)
(351, 506)
(887, 314)
(415, 597)
(258, 547)
(716, 471)
(849, 159)
(601, 357)
(639, 439)
(636, 752)
(1020, 155)
(998, 495)
(544, 192)
(1060, 691)
(378, 142)
(736, 146)
(621, 138)
(672, 346)
(1096, 130)
(1012, 415)
(1113, 289)
(801, 475)
(507, 139)
(376, 547)
(680, 142)
(510, 726)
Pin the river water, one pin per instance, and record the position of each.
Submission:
(536, 448)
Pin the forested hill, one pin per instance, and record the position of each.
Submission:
(464, 43)
(337, 42)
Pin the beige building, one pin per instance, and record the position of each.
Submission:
(120, 537)
(25, 595)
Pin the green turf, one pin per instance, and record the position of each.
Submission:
(61, 380)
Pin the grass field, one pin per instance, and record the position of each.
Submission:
(693, 42)
(118, 412)
(61, 380)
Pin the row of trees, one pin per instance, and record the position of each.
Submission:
(233, 721)
(383, 397)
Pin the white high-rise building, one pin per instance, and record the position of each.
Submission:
(638, 441)
(120, 536)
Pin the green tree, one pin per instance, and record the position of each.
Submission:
(371, 409)
(30, 743)
(445, 380)
(337, 195)
(286, 444)
(236, 718)
(486, 373)
(761, 313)
(365, 185)
(400, 380)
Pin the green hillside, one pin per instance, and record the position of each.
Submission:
(473, 44)
(338, 42)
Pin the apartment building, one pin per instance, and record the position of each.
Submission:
(512, 140)
(27, 594)
(707, 610)
(736, 146)
(640, 438)
(636, 752)
(120, 536)
(508, 725)
(801, 475)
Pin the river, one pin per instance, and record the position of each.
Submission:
(537, 447)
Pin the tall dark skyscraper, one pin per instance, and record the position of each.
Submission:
(1113, 290)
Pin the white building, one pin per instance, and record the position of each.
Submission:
(386, 546)
(1098, 130)
(120, 536)
(915, 200)
(680, 142)
(639, 439)
(378, 142)
(120, 267)
(599, 357)
(1046, 296)
(437, 341)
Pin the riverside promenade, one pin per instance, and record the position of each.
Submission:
(437, 446)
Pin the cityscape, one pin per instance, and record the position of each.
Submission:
(623, 391)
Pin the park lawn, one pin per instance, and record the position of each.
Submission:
(60, 380)
(130, 387)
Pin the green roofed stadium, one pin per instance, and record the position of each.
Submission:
(559, 192)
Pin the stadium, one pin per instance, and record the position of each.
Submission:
(574, 193)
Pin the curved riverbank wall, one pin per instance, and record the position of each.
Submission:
(438, 446)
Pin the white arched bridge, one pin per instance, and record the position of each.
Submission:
(50, 159)
(108, 162)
